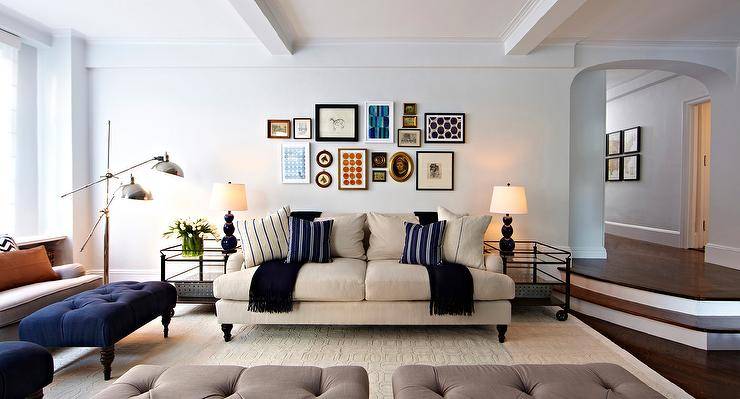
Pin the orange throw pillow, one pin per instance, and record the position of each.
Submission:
(23, 267)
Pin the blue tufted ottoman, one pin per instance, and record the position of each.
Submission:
(101, 317)
(25, 369)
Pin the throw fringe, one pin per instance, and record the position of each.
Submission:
(270, 303)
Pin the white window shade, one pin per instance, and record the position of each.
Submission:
(10, 39)
(8, 146)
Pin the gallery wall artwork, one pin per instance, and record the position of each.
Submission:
(337, 122)
(614, 143)
(631, 167)
(302, 128)
(379, 122)
(623, 161)
(295, 162)
(631, 140)
(323, 179)
(352, 170)
(278, 129)
(409, 137)
(435, 170)
(401, 166)
(324, 158)
(444, 128)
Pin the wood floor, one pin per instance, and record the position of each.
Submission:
(661, 269)
(703, 374)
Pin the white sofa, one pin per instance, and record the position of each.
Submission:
(363, 292)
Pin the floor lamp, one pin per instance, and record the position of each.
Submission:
(132, 190)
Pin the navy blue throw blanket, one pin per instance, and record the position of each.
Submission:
(271, 290)
(451, 287)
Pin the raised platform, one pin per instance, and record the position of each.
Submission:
(663, 291)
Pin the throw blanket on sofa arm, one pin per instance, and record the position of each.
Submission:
(451, 287)
(271, 290)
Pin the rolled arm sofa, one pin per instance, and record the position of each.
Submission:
(367, 290)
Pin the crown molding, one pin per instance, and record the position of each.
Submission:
(174, 41)
(344, 41)
(519, 17)
(660, 43)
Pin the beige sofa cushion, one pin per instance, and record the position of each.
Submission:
(343, 279)
(389, 280)
(347, 235)
(463, 239)
(387, 235)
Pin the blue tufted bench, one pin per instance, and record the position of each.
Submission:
(25, 369)
(101, 317)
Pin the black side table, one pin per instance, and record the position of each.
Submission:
(533, 266)
(193, 276)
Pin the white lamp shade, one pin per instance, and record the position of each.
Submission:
(509, 199)
(229, 197)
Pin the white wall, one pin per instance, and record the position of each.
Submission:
(653, 202)
(213, 122)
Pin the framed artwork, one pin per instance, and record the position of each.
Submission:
(323, 179)
(444, 128)
(631, 168)
(352, 169)
(435, 170)
(409, 137)
(379, 175)
(278, 129)
(401, 166)
(302, 128)
(379, 122)
(613, 169)
(337, 122)
(409, 108)
(410, 121)
(614, 143)
(631, 140)
(295, 164)
(380, 159)
(324, 158)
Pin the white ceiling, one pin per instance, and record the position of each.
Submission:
(616, 77)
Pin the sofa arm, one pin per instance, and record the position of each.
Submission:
(235, 262)
(494, 263)
(71, 270)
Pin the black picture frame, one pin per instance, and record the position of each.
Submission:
(461, 115)
(317, 119)
(419, 171)
(639, 139)
(637, 167)
(621, 143)
(606, 169)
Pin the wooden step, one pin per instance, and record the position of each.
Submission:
(709, 324)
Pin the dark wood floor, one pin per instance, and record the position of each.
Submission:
(703, 374)
(662, 269)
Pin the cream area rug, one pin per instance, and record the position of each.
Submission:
(195, 338)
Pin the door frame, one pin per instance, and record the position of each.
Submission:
(689, 173)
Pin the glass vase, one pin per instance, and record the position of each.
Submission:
(192, 247)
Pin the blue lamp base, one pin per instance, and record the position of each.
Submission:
(228, 242)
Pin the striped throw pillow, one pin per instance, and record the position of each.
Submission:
(264, 239)
(423, 244)
(309, 241)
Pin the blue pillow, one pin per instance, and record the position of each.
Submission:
(423, 244)
(309, 241)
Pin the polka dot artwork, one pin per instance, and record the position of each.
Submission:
(352, 174)
(444, 128)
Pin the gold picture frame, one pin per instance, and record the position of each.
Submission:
(410, 121)
(401, 166)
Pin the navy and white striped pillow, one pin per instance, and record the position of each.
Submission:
(309, 241)
(423, 244)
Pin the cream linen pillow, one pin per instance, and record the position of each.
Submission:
(264, 239)
(387, 235)
(463, 239)
(347, 234)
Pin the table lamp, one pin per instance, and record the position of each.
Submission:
(229, 197)
(509, 200)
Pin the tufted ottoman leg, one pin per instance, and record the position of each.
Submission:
(502, 332)
(226, 328)
(166, 317)
(107, 354)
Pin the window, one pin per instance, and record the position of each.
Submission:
(9, 45)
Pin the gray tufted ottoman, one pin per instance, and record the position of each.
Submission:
(572, 381)
(263, 382)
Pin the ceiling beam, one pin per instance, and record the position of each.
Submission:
(259, 18)
(536, 23)
(30, 31)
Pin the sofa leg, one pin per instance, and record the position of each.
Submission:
(226, 328)
(36, 395)
(502, 332)
(166, 317)
(107, 354)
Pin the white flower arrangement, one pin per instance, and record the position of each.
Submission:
(190, 228)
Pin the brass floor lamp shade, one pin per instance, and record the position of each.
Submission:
(131, 190)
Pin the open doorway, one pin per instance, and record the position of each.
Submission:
(701, 133)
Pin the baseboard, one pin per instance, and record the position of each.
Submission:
(722, 255)
(644, 233)
(588, 252)
(129, 275)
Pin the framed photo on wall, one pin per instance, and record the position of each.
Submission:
(409, 108)
(323, 179)
(379, 122)
(302, 128)
(352, 173)
(631, 140)
(613, 169)
(409, 137)
(614, 143)
(295, 163)
(631, 168)
(337, 122)
(278, 129)
(410, 121)
(435, 170)
(401, 166)
(444, 128)
(324, 158)
(379, 159)
(379, 176)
